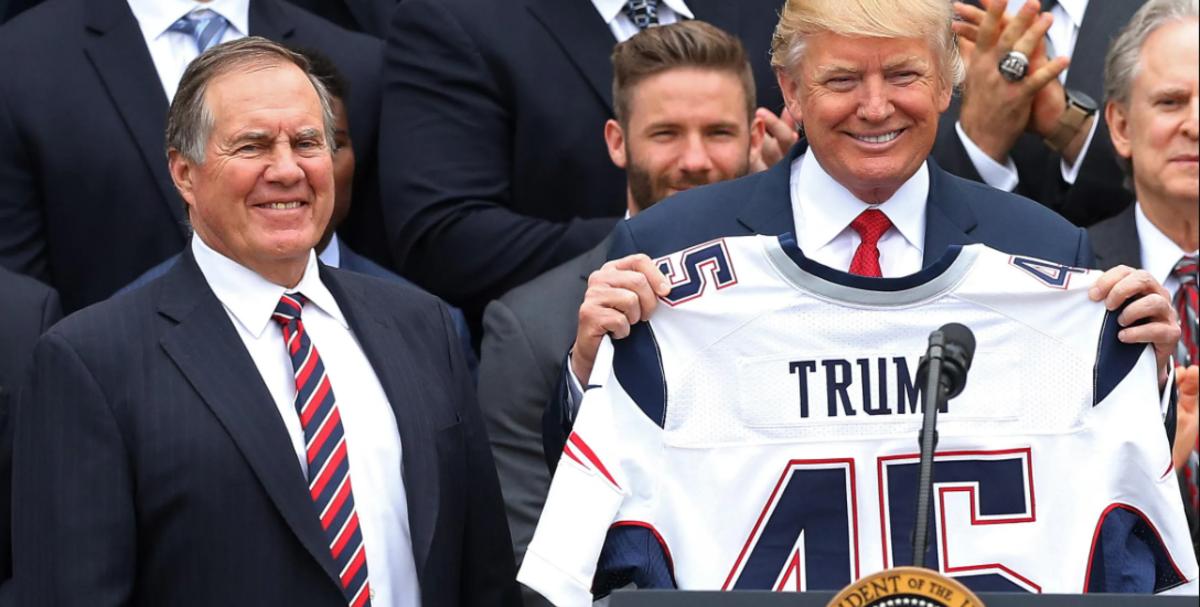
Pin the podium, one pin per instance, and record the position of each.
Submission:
(676, 598)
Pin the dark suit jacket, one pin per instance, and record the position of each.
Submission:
(957, 212)
(1115, 241)
(27, 308)
(347, 260)
(495, 109)
(86, 201)
(152, 467)
(1097, 192)
(525, 334)
(366, 16)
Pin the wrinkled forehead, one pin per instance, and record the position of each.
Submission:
(263, 93)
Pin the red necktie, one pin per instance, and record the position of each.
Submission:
(328, 459)
(870, 225)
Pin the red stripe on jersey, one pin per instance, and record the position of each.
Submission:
(591, 456)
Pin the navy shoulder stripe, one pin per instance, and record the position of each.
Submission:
(638, 367)
(1114, 358)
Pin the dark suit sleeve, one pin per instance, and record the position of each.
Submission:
(1084, 258)
(74, 528)
(488, 574)
(450, 213)
(512, 394)
(22, 246)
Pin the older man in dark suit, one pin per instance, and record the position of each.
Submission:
(494, 109)
(193, 442)
(89, 217)
(1153, 89)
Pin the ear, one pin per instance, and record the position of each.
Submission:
(182, 174)
(1118, 129)
(790, 87)
(945, 92)
(614, 137)
(758, 130)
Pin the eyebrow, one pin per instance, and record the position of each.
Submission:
(308, 132)
(1170, 90)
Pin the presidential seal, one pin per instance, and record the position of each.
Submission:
(906, 587)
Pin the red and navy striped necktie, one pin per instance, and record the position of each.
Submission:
(1187, 300)
(325, 450)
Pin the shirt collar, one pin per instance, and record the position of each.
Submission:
(250, 298)
(610, 9)
(331, 255)
(1159, 253)
(157, 15)
(827, 207)
(1074, 9)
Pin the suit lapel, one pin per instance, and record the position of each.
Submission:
(769, 209)
(948, 220)
(116, 49)
(584, 37)
(391, 353)
(1100, 25)
(206, 348)
(1115, 241)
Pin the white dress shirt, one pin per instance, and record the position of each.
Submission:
(172, 51)
(1159, 253)
(1068, 16)
(823, 210)
(369, 424)
(612, 11)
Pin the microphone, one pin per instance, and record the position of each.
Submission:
(943, 375)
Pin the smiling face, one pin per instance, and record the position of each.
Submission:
(1158, 127)
(870, 108)
(264, 193)
(686, 127)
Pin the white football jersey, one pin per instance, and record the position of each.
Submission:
(760, 432)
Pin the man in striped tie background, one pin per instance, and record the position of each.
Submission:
(254, 428)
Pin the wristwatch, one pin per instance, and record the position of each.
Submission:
(1080, 107)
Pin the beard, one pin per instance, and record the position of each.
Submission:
(647, 189)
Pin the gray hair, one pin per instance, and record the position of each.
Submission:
(1124, 56)
(929, 19)
(190, 121)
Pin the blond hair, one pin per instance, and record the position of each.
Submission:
(927, 19)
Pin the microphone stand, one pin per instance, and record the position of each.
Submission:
(932, 398)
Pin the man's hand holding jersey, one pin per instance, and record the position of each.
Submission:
(1148, 318)
(620, 294)
(625, 291)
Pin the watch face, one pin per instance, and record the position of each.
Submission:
(1081, 99)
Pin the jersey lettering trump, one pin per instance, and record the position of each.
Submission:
(759, 432)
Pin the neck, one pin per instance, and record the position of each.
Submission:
(1177, 220)
(874, 195)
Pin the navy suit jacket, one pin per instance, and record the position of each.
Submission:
(495, 109)
(86, 201)
(27, 309)
(152, 468)
(957, 212)
(347, 260)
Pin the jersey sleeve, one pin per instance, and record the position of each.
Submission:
(607, 466)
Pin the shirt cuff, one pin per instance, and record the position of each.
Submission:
(1071, 172)
(574, 389)
(999, 176)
